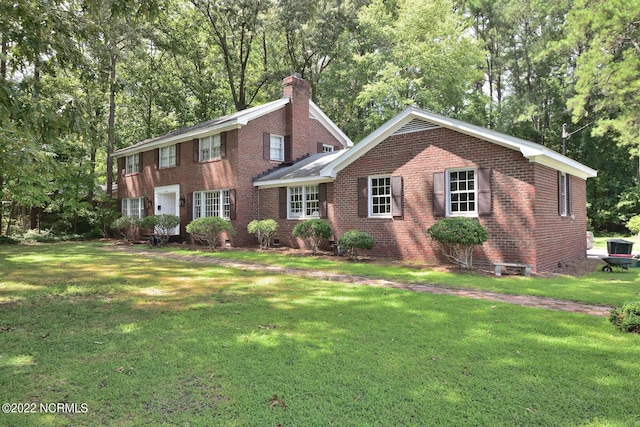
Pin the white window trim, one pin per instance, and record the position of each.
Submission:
(303, 215)
(224, 205)
(214, 144)
(170, 159)
(326, 148)
(447, 184)
(272, 139)
(126, 208)
(564, 195)
(132, 164)
(370, 196)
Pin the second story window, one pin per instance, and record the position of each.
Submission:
(328, 148)
(132, 164)
(277, 148)
(167, 156)
(209, 148)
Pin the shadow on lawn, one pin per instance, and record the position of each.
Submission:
(186, 342)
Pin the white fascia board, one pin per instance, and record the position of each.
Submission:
(364, 146)
(231, 124)
(534, 152)
(292, 182)
(330, 125)
(199, 133)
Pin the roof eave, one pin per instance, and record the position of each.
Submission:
(232, 124)
(289, 182)
(330, 125)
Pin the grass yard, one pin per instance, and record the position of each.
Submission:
(137, 340)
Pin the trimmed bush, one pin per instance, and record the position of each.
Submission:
(354, 240)
(162, 225)
(128, 227)
(264, 230)
(627, 318)
(208, 230)
(314, 232)
(458, 237)
(634, 224)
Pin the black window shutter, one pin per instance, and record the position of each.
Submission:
(190, 207)
(320, 147)
(178, 154)
(140, 162)
(145, 210)
(322, 200)
(156, 158)
(287, 149)
(439, 199)
(122, 165)
(396, 195)
(196, 150)
(119, 205)
(363, 197)
(232, 204)
(223, 145)
(266, 145)
(484, 191)
(283, 202)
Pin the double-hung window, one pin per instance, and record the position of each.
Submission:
(211, 203)
(304, 202)
(276, 148)
(564, 194)
(133, 207)
(167, 156)
(461, 192)
(132, 164)
(209, 147)
(380, 196)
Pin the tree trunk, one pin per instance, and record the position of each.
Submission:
(112, 122)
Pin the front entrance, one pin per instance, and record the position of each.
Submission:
(167, 202)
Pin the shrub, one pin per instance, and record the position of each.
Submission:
(162, 225)
(354, 240)
(627, 318)
(128, 227)
(457, 237)
(264, 230)
(209, 230)
(314, 232)
(634, 224)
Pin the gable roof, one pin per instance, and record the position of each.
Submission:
(412, 119)
(229, 122)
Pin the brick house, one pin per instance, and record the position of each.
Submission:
(208, 169)
(420, 167)
(415, 169)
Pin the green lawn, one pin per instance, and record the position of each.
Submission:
(147, 341)
(612, 289)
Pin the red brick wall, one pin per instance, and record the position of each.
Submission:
(524, 199)
(243, 162)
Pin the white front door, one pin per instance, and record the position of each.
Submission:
(167, 202)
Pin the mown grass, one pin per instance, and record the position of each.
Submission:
(612, 289)
(148, 341)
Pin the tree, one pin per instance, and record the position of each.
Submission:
(237, 29)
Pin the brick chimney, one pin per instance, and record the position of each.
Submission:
(296, 89)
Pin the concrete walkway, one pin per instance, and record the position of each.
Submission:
(524, 300)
